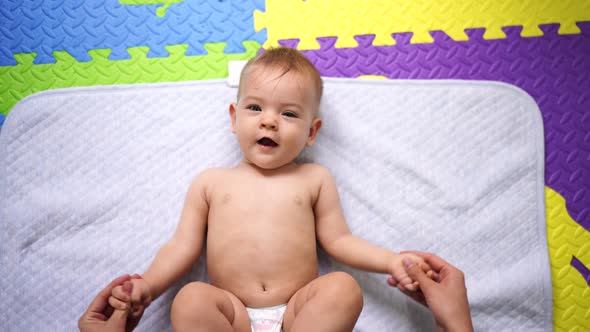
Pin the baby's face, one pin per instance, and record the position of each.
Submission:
(275, 117)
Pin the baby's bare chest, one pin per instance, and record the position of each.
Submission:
(255, 200)
(246, 201)
(245, 225)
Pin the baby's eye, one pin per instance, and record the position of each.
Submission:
(290, 114)
(255, 108)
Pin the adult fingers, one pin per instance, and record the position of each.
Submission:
(434, 261)
(101, 300)
(435, 276)
(118, 320)
(416, 273)
(417, 296)
(134, 318)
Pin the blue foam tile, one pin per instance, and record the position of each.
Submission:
(79, 26)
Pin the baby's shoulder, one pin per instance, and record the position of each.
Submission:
(205, 182)
(214, 172)
(314, 171)
(209, 177)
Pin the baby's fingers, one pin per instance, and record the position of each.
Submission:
(430, 273)
(392, 282)
(122, 293)
(410, 287)
(408, 284)
(118, 304)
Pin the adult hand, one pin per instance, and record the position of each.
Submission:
(446, 296)
(139, 298)
(100, 316)
(400, 274)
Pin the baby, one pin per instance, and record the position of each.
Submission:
(262, 221)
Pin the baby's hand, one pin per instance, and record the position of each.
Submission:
(400, 278)
(133, 295)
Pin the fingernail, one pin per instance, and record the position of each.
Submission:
(408, 263)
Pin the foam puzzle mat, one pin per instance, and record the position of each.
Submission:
(540, 46)
(76, 27)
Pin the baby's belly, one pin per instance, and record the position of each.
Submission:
(261, 269)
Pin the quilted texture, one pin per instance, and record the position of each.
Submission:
(94, 181)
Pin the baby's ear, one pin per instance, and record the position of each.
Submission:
(316, 124)
(232, 115)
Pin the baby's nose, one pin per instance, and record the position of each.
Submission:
(269, 123)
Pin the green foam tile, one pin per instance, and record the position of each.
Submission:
(26, 78)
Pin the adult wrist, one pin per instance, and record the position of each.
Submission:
(459, 325)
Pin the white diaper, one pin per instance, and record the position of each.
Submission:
(268, 319)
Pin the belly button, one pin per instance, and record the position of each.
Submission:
(263, 287)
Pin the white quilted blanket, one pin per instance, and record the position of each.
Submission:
(92, 181)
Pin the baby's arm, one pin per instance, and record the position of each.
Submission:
(336, 239)
(177, 256)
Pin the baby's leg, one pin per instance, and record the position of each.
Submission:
(332, 302)
(202, 307)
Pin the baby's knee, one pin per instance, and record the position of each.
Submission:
(191, 290)
(346, 289)
(190, 299)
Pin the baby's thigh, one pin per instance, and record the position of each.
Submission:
(335, 295)
(200, 304)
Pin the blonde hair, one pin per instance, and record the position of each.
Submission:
(285, 59)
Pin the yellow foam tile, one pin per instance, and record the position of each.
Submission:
(571, 293)
(308, 20)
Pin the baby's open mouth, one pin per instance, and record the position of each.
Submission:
(265, 141)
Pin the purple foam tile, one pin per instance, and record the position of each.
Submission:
(554, 69)
(578, 265)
